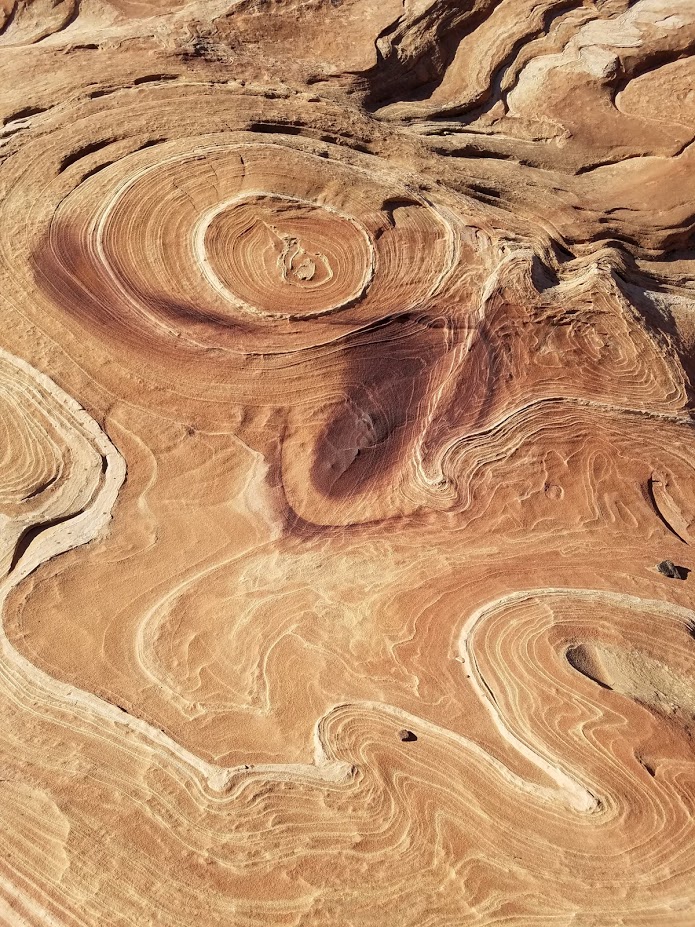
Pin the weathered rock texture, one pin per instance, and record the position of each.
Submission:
(345, 403)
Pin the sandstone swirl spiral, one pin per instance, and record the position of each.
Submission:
(347, 464)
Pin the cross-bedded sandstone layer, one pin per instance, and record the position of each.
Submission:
(346, 385)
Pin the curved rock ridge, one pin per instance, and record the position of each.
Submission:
(347, 463)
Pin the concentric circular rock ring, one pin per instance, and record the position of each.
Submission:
(281, 255)
(236, 235)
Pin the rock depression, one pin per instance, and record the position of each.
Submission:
(347, 463)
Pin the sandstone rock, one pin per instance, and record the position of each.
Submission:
(346, 385)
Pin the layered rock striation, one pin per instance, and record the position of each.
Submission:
(347, 463)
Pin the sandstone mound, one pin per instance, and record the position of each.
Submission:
(347, 463)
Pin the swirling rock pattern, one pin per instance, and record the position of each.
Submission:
(346, 385)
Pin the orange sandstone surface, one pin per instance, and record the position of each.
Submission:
(347, 463)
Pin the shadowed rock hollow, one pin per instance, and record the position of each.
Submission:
(347, 463)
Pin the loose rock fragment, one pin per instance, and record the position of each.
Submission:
(669, 568)
(406, 736)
